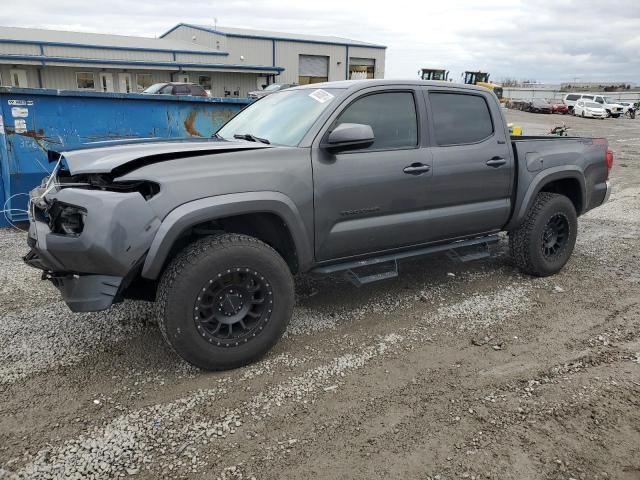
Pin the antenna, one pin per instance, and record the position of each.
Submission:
(215, 23)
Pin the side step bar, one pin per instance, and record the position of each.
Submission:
(368, 270)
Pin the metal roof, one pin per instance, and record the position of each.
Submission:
(99, 40)
(271, 35)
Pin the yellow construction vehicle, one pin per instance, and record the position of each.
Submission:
(434, 74)
(482, 79)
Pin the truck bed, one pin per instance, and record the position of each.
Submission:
(539, 156)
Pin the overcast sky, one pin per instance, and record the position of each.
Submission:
(543, 40)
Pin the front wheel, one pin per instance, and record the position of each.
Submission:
(542, 245)
(225, 301)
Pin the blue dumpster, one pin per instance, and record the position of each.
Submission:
(33, 121)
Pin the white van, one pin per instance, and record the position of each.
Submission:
(613, 109)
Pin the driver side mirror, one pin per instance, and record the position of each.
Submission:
(348, 136)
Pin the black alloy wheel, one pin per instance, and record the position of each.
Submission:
(224, 301)
(555, 235)
(233, 307)
(544, 241)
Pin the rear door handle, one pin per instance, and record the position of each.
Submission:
(496, 162)
(416, 169)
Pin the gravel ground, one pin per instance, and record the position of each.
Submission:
(448, 371)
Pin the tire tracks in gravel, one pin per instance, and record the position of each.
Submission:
(105, 448)
(440, 420)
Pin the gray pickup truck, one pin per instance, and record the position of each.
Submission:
(344, 176)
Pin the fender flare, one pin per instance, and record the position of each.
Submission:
(538, 182)
(197, 211)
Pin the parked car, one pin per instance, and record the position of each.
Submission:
(586, 108)
(274, 87)
(176, 88)
(558, 106)
(570, 100)
(515, 104)
(629, 109)
(214, 230)
(538, 105)
(611, 108)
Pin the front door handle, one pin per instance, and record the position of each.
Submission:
(496, 162)
(416, 169)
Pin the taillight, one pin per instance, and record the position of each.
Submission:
(608, 156)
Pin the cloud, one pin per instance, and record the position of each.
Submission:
(545, 40)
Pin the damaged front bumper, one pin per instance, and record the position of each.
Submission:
(91, 266)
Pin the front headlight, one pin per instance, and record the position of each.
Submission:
(66, 219)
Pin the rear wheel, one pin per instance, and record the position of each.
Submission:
(224, 301)
(544, 242)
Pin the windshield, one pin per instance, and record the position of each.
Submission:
(274, 86)
(154, 88)
(283, 117)
(593, 105)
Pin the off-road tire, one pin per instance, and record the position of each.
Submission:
(199, 264)
(526, 242)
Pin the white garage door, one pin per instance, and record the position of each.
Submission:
(363, 62)
(313, 69)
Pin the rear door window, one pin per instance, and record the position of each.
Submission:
(588, 97)
(392, 116)
(459, 118)
(573, 97)
(181, 90)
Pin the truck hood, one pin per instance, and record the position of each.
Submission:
(123, 158)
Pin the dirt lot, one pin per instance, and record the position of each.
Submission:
(449, 371)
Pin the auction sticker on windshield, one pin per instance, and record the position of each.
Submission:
(321, 96)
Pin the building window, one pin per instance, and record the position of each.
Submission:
(85, 80)
(313, 69)
(361, 68)
(205, 82)
(143, 81)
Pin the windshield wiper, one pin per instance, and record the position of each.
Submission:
(251, 138)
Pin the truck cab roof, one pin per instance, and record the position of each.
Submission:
(355, 85)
